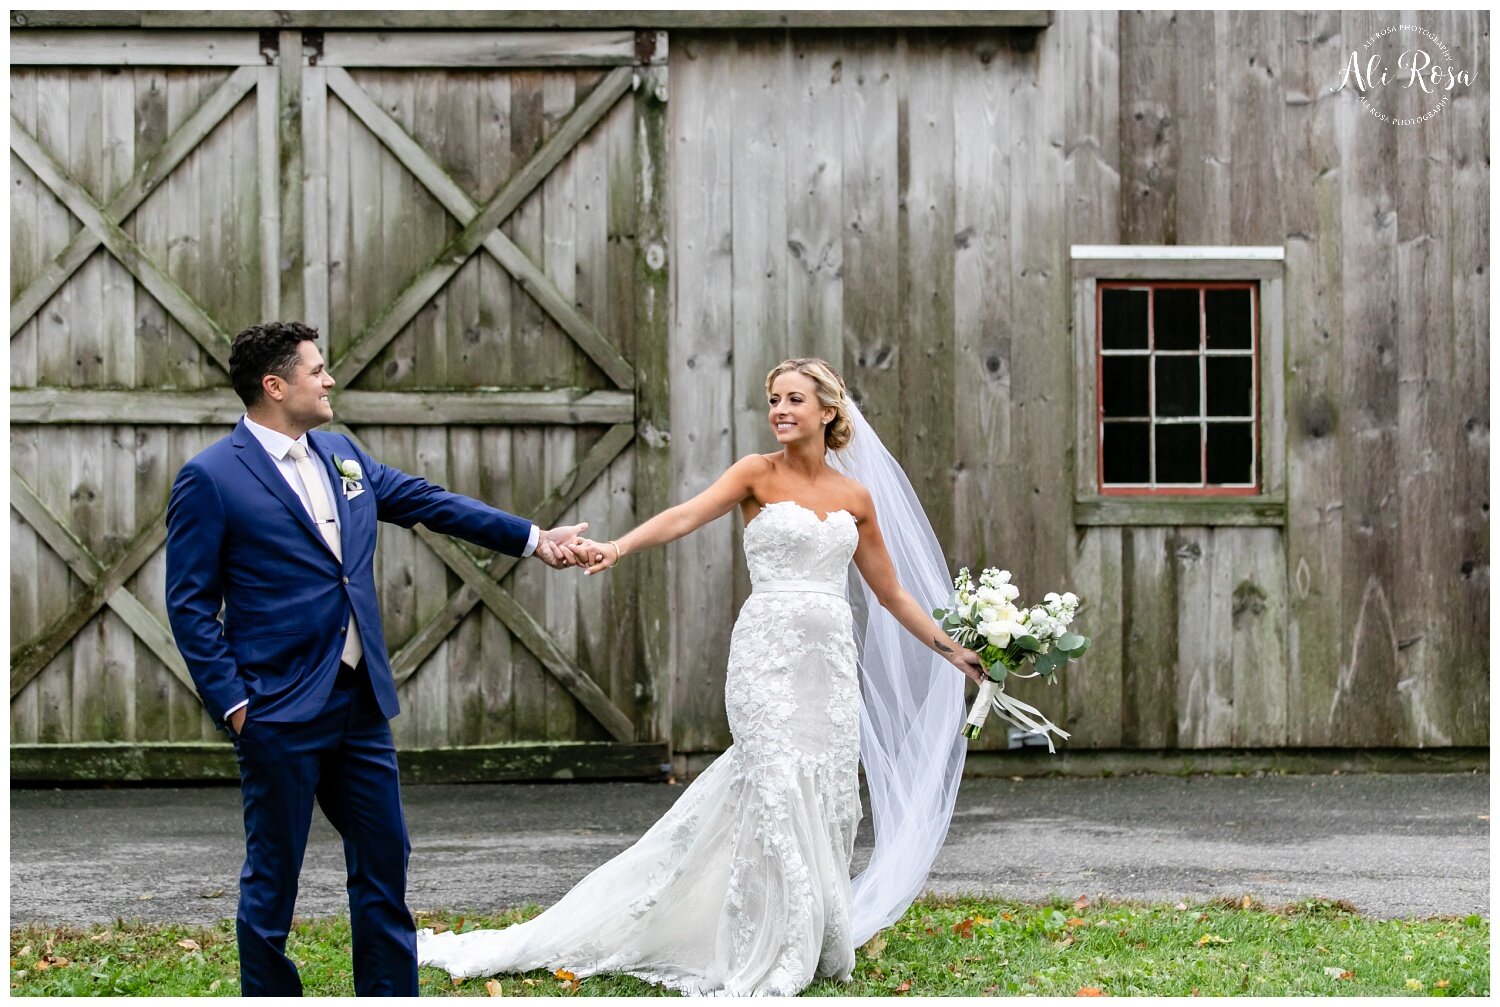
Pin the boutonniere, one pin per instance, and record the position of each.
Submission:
(350, 474)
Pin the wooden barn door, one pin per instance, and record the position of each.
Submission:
(474, 221)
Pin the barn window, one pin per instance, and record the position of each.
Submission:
(1176, 379)
(1179, 396)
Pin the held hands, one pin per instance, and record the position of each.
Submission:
(559, 547)
(599, 556)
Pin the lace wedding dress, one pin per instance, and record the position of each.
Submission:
(743, 886)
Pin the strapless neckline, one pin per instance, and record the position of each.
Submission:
(809, 510)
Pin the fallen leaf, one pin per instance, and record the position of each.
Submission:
(965, 929)
(1347, 975)
(874, 946)
(190, 944)
(564, 975)
(1077, 921)
(492, 987)
(905, 987)
(1089, 991)
(1441, 984)
(1180, 907)
(528, 982)
(1082, 902)
(990, 991)
(459, 925)
(1195, 992)
(1066, 942)
(1246, 902)
(24, 951)
(102, 937)
(1007, 917)
(1332, 970)
(43, 965)
(1017, 779)
(213, 987)
(145, 898)
(1213, 939)
(1413, 984)
(983, 920)
(217, 893)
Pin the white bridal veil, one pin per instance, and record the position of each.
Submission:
(911, 700)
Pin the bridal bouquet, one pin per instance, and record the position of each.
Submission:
(1008, 638)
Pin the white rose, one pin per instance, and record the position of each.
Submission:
(1070, 599)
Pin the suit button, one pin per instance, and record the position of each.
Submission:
(343, 630)
(346, 580)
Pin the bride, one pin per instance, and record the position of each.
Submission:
(743, 886)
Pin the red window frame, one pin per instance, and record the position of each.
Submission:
(1204, 488)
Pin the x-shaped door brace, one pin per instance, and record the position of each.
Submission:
(481, 583)
(101, 224)
(105, 586)
(481, 227)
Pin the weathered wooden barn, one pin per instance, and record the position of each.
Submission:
(1147, 308)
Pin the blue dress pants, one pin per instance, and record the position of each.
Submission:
(344, 759)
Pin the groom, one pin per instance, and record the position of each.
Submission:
(277, 525)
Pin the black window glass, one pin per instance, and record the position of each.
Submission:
(1124, 390)
(1127, 452)
(1229, 453)
(1125, 319)
(1177, 318)
(1226, 316)
(1177, 386)
(1229, 386)
(1179, 453)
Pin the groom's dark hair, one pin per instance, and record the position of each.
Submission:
(270, 348)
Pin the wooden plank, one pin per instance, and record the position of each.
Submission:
(1149, 152)
(1428, 413)
(1314, 375)
(699, 613)
(1203, 511)
(117, 140)
(204, 761)
(563, 406)
(554, 19)
(467, 662)
(814, 197)
(180, 260)
(268, 142)
(1251, 103)
(872, 310)
(55, 226)
(475, 51)
(53, 530)
(1468, 124)
(981, 443)
(459, 114)
(425, 336)
(1200, 130)
(39, 47)
(161, 452)
(560, 611)
(192, 316)
(925, 230)
(488, 358)
(88, 519)
(527, 275)
(1365, 707)
(85, 166)
(497, 687)
(1148, 631)
(1259, 621)
(315, 197)
(290, 256)
(1206, 563)
(26, 248)
(1092, 687)
(27, 555)
(59, 583)
(431, 693)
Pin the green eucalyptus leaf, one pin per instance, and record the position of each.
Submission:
(1070, 642)
(1028, 643)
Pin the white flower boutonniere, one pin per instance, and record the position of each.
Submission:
(350, 474)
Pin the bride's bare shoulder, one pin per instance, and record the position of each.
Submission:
(862, 505)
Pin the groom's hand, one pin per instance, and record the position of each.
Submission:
(237, 720)
(552, 546)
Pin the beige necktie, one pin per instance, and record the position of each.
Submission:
(323, 518)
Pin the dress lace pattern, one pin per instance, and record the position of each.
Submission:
(742, 888)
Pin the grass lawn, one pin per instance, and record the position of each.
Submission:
(941, 947)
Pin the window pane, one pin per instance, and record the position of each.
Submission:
(1179, 453)
(1227, 318)
(1228, 386)
(1127, 452)
(1123, 386)
(1177, 318)
(1229, 455)
(1177, 386)
(1125, 319)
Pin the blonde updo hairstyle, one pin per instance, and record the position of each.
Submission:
(832, 394)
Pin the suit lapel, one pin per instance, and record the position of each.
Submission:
(264, 468)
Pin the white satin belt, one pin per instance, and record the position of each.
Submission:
(797, 587)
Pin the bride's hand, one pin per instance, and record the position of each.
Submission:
(599, 556)
(968, 662)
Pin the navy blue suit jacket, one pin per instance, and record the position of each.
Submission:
(238, 536)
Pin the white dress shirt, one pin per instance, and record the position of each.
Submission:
(278, 445)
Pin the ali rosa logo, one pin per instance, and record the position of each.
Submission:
(1431, 73)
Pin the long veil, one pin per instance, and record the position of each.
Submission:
(911, 700)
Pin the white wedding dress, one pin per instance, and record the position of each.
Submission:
(743, 887)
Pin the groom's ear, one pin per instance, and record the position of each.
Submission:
(273, 387)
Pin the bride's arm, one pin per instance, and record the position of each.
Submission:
(737, 483)
(879, 572)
